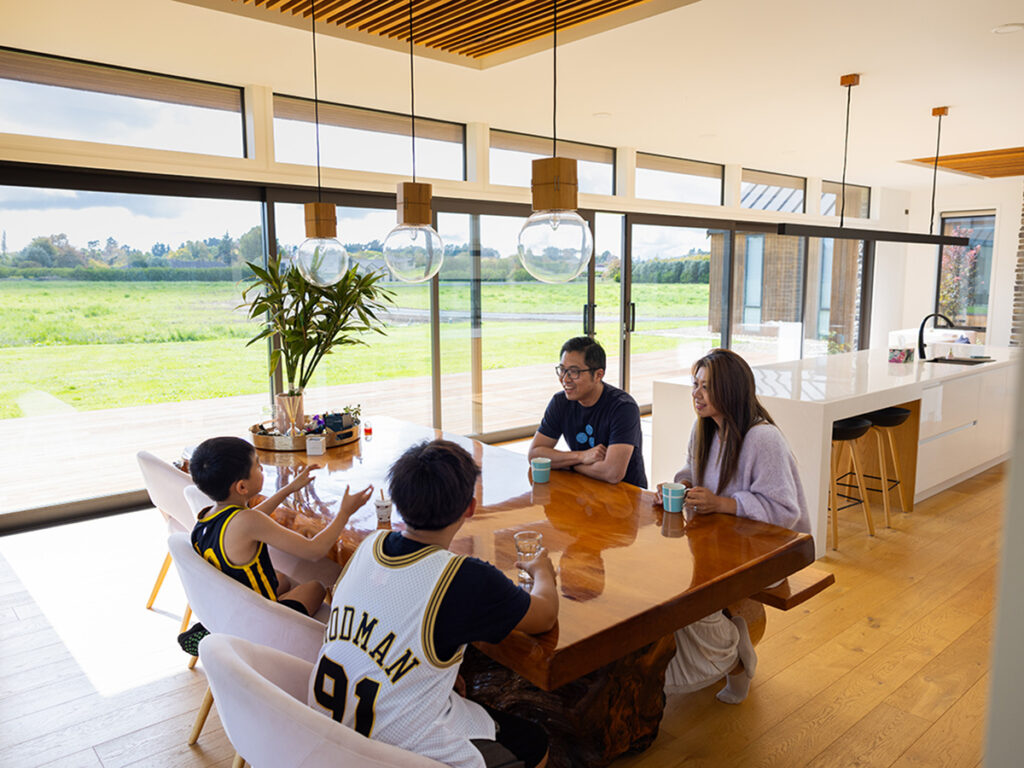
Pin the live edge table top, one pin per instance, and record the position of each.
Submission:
(628, 573)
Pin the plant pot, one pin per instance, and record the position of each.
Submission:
(289, 413)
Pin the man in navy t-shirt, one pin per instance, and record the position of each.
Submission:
(600, 423)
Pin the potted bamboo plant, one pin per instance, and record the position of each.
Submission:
(309, 322)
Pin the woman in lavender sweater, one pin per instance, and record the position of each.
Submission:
(738, 463)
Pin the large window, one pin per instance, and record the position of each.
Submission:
(965, 270)
(772, 191)
(833, 299)
(766, 297)
(119, 332)
(858, 200)
(389, 373)
(65, 99)
(512, 155)
(367, 140)
(684, 181)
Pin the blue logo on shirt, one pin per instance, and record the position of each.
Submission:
(586, 437)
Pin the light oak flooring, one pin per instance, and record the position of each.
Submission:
(889, 667)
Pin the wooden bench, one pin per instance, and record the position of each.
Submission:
(797, 588)
(794, 590)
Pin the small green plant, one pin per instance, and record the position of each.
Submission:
(311, 321)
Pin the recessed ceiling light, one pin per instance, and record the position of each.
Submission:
(602, 114)
(1008, 29)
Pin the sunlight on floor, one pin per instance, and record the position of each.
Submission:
(74, 573)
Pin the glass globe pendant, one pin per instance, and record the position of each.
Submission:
(413, 250)
(321, 259)
(555, 243)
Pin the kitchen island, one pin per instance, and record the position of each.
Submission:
(961, 417)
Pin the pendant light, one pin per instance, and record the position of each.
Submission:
(555, 243)
(812, 230)
(321, 259)
(413, 250)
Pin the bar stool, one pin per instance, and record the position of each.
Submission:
(883, 422)
(844, 433)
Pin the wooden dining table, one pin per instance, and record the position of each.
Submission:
(628, 575)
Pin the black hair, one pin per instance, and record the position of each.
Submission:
(219, 463)
(432, 483)
(593, 353)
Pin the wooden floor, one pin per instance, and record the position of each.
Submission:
(889, 667)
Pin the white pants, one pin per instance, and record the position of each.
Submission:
(705, 652)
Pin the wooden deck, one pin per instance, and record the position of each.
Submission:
(888, 668)
(97, 449)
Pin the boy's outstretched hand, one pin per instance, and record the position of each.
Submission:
(354, 501)
(304, 477)
(540, 563)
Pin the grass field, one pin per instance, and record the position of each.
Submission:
(103, 345)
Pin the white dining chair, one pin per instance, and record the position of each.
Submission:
(325, 571)
(261, 697)
(166, 486)
(226, 606)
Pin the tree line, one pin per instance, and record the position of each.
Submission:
(221, 258)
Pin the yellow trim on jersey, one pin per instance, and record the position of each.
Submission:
(430, 615)
(248, 568)
(399, 561)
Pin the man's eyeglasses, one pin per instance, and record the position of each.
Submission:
(570, 373)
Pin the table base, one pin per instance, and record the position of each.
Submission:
(591, 721)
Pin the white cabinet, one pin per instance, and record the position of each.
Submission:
(966, 424)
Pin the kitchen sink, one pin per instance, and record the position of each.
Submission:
(960, 360)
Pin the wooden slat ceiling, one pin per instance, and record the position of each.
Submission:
(472, 28)
(990, 163)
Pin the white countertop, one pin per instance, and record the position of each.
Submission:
(855, 374)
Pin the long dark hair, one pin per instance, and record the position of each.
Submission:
(731, 390)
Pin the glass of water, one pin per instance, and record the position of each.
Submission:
(528, 546)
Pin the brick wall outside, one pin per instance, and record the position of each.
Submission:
(781, 284)
(1017, 326)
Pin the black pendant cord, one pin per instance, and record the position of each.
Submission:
(316, 105)
(935, 175)
(846, 147)
(412, 94)
(554, 83)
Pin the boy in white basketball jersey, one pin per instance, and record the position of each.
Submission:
(403, 611)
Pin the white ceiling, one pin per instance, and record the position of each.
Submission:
(757, 83)
(732, 81)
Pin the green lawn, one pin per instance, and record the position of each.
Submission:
(103, 345)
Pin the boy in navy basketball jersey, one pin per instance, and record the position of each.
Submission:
(233, 537)
(403, 611)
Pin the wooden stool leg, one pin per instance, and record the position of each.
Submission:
(834, 497)
(201, 715)
(863, 489)
(159, 581)
(896, 471)
(185, 618)
(884, 476)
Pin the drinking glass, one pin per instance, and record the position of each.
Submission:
(528, 546)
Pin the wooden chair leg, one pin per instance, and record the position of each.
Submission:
(238, 762)
(159, 581)
(904, 505)
(834, 498)
(863, 489)
(185, 618)
(885, 477)
(192, 662)
(201, 715)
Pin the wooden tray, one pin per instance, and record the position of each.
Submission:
(288, 443)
